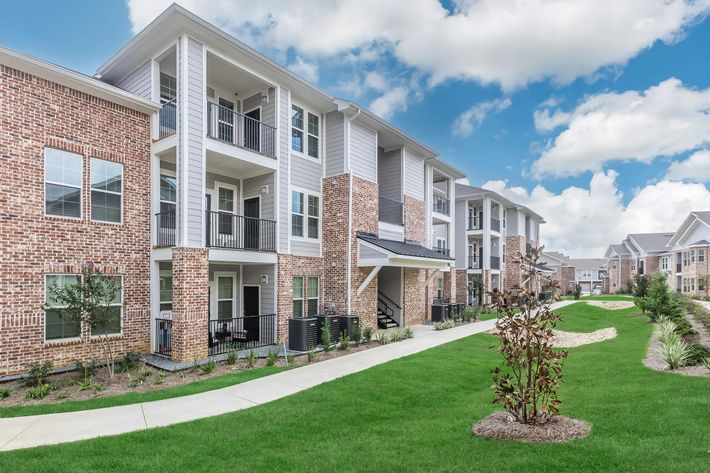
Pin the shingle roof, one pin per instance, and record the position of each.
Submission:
(556, 255)
(620, 249)
(405, 248)
(700, 243)
(703, 216)
(463, 190)
(652, 242)
(587, 263)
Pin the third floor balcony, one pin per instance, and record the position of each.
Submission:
(242, 130)
(442, 205)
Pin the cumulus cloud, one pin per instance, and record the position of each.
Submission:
(696, 168)
(584, 221)
(392, 101)
(488, 41)
(664, 120)
(473, 117)
(307, 70)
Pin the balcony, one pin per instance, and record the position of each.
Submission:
(495, 262)
(167, 119)
(250, 331)
(391, 211)
(236, 232)
(678, 268)
(240, 130)
(441, 250)
(495, 225)
(165, 229)
(441, 205)
(474, 223)
(472, 262)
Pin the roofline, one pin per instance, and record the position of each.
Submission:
(446, 167)
(175, 9)
(501, 198)
(75, 80)
(685, 227)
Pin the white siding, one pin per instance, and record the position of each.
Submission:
(252, 188)
(334, 144)
(461, 217)
(389, 174)
(306, 173)
(305, 248)
(283, 130)
(363, 152)
(195, 135)
(252, 276)
(391, 232)
(413, 175)
(138, 82)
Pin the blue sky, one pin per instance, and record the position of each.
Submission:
(600, 168)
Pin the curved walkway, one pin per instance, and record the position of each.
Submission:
(47, 429)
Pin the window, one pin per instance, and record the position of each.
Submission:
(701, 284)
(298, 214)
(225, 205)
(225, 297)
(505, 217)
(440, 288)
(686, 258)
(692, 256)
(168, 199)
(110, 322)
(62, 183)
(299, 120)
(701, 254)
(504, 253)
(305, 299)
(166, 291)
(692, 284)
(106, 190)
(664, 263)
(55, 326)
(587, 274)
(168, 87)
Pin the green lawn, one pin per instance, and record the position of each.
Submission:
(601, 297)
(207, 384)
(415, 414)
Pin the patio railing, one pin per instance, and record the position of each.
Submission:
(241, 333)
(163, 337)
(238, 129)
(167, 119)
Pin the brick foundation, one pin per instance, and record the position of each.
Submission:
(190, 303)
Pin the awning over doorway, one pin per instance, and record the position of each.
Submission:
(375, 251)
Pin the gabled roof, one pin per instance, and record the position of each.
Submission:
(557, 256)
(403, 248)
(701, 243)
(693, 219)
(588, 263)
(464, 191)
(650, 242)
(619, 250)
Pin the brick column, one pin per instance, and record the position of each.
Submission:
(416, 297)
(513, 273)
(366, 211)
(190, 303)
(461, 286)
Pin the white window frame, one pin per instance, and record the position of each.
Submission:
(167, 173)
(44, 325)
(120, 194)
(305, 297)
(80, 187)
(306, 193)
(113, 304)
(306, 111)
(441, 243)
(215, 300)
(505, 217)
(165, 273)
(701, 255)
(586, 274)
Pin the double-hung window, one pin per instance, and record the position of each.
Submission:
(57, 327)
(166, 290)
(701, 254)
(109, 321)
(305, 296)
(692, 256)
(305, 132)
(106, 190)
(305, 215)
(62, 183)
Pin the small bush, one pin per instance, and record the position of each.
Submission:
(357, 333)
(290, 359)
(38, 373)
(87, 370)
(41, 390)
(325, 335)
(231, 357)
(140, 378)
(470, 314)
(667, 329)
(696, 354)
(251, 358)
(160, 378)
(128, 362)
(88, 385)
(577, 291)
(344, 341)
(446, 324)
(5, 393)
(271, 358)
(383, 338)
(675, 353)
(312, 355)
(208, 367)
(367, 333)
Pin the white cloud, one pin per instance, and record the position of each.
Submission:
(511, 43)
(376, 81)
(307, 70)
(463, 180)
(696, 168)
(466, 122)
(391, 102)
(584, 221)
(663, 120)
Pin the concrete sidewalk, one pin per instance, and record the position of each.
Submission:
(47, 429)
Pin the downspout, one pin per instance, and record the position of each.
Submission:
(350, 211)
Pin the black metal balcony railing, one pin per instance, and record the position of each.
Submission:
(163, 336)
(241, 333)
(226, 230)
(391, 211)
(472, 262)
(167, 119)
(495, 262)
(165, 229)
(238, 129)
(441, 250)
(441, 205)
(495, 224)
(678, 268)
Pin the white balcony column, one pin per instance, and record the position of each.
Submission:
(486, 263)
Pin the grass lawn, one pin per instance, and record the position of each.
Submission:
(415, 414)
(132, 398)
(601, 297)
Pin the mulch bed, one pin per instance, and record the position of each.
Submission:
(502, 426)
(654, 359)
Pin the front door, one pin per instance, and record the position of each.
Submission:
(251, 300)
(251, 223)
(252, 132)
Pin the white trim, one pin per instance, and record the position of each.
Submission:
(368, 279)
(80, 187)
(120, 194)
(306, 193)
(214, 302)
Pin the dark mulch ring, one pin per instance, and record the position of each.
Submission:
(502, 426)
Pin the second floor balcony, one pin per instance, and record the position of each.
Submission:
(474, 223)
(167, 119)
(495, 224)
(442, 205)
(495, 262)
(242, 130)
(473, 262)
(391, 211)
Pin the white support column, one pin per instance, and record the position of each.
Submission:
(486, 263)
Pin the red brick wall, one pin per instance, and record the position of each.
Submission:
(514, 247)
(290, 266)
(417, 298)
(190, 303)
(461, 286)
(35, 113)
(365, 218)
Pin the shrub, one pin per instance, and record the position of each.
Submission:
(470, 313)
(38, 373)
(666, 329)
(140, 378)
(208, 367)
(88, 385)
(128, 362)
(160, 378)
(325, 336)
(675, 353)
(696, 354)
(367, 333)
(39, 391)
(232, 357)
(706, 364)
(577, 291)
(641, 284)
(383, 338)
(344, 341)
(5, 393)
(444, 325)
(357, 333)
(87, 370)
(312, 355)
(251, 358)
(290, 359)
(271, 358)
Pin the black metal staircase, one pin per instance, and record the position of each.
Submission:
(385, 311)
